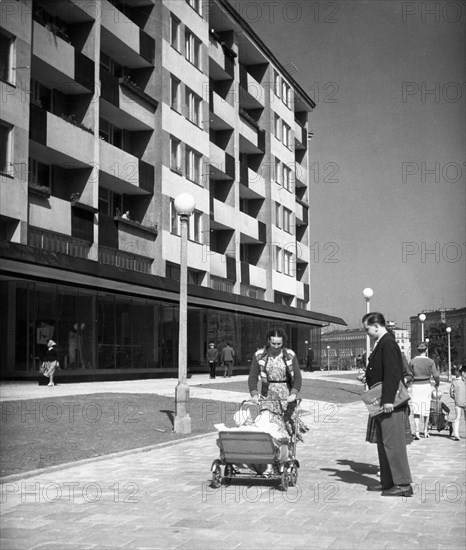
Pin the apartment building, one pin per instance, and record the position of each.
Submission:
(109, 110)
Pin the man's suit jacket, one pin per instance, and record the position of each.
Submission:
(386, 366)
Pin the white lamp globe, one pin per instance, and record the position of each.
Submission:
(448, 329)
(422, 317)
(184, 204)
(368, 293)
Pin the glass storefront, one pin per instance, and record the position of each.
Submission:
(100, 331)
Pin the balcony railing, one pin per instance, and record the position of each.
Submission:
(125, 260)
(57, 242)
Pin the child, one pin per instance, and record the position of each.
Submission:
(458, 394)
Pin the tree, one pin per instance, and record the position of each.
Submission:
(438, 344)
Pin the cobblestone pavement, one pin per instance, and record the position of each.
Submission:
(162, 498)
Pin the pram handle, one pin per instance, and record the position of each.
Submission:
(253, 401)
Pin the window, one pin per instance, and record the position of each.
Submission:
(174, 219)
(278, 217)
(110, 133)
(110, 65)
(40, 174)
(195, 226)
(196, 5)
(6, 136)
(193, 107)
(193, 49)
(175, 32)
(110, 203)
(175, 147)
(286, 181)
(286, 135)
(193, 165)
(175, 93)
(287, 262)
(286, 94)
(286, 220)
(6, 58)
(41, 95)
(276, 83)
(278, 259)
(172, 271)
(277, 171)
(276, 126)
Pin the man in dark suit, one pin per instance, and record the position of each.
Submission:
(386, 366)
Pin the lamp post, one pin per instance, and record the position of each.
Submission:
(184, 206)
(368, 293)
(328, 358)
(427, 344)
(422, 318)
(448, 329)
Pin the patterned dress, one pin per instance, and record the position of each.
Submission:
(276, 385)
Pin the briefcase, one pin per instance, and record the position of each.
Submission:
(373, 396)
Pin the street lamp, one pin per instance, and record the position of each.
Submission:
(448, 329)
(368, 293)
(328, 358)
(422, 318)
(184, 206)
(427, 344)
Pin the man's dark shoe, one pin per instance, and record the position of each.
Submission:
(377, 487)
(399, 491)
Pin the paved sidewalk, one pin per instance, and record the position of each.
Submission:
(161, 498)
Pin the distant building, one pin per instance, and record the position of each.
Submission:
(346, 345)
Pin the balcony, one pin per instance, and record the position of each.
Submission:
(251, 93)
(253, 275)
(124, 40)
(303, 253)
(125, 103)
(124, 260)
(251, 138)
(71, 144)
(59, 62)
(223, 116)
(221, 65)
(57, 242)
(223, 215)
(131, 172)
(252, 231)
(302, 213)
(300, 136)
(221, 164)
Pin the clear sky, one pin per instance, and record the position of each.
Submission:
(387, 160)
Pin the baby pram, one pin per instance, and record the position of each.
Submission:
(438, 416)
(246, 454)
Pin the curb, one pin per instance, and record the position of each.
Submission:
(84, 461)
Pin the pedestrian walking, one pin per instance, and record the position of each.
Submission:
(385, 366)
(227, 359)
(458, 394)
(423, 369)
(212, 359)
(50, 364)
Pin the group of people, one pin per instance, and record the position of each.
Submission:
(275, 375)
(226, 357)
(391, 429)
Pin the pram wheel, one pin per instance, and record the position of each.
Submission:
(293, 475)
(216, 476)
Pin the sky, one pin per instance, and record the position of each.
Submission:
(387, 159)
